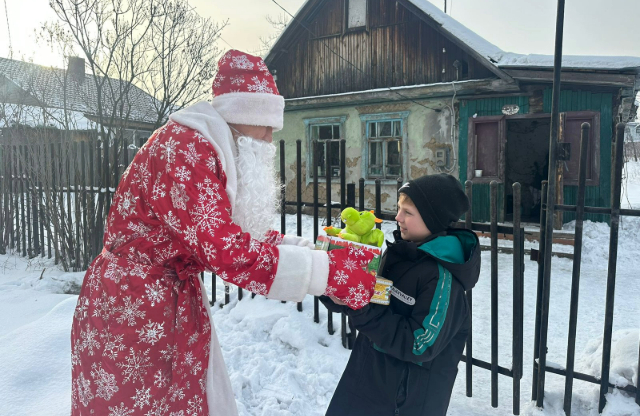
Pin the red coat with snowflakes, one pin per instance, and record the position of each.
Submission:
(143, 341)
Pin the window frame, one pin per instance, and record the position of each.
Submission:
(366, 119)
(309, 123)
(472, 153)
(346, 28)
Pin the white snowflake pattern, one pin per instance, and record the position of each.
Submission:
(177, 128)
(159, 188)
(212, 164)
(160, 380)
(176, 392)
(155, 292)
(135, 365)
(191, 235)
(168, 353)
(151, 333)
(217, 81)
(179, 196)
(260, 86)
(341, 277)
(172, 222)
(114, 272)
(181, 318)
(141, 175)
(81, 308)
(168, 153)
(183, 174)
(257, 288)
(106, 383)
(209, 251)
(164, 254)
(83, 390)
(159, 408)
(350, 264)
(142, 397)
(121, 410)
(112, 344)
(198, 136)
(358, 296)
(265, 260)
(238, 279)
(241, 62)
(193, 339)
(195, 405)
(130, 311)
(127, 203)
(89, 339)
(262, 67)
(232, 240)
(330, 290)
(191, 156)
(240, 261)
(103, 306)
(237, 80)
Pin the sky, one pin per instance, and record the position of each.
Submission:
(592, 27)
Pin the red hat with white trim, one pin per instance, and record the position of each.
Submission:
(244, 91)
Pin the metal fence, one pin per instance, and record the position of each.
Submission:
(50, 205)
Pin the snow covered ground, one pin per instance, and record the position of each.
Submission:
(281, 363)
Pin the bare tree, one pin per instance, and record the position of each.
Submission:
(279, 23)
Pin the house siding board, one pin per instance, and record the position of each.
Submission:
(398, 49)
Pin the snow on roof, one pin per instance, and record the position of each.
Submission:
(500, 58)
(34, 116)
(570, 61)
(457, 29)
(51, 87)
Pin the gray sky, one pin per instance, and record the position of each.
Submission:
(592, 27)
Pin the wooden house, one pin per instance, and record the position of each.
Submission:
(414, 92)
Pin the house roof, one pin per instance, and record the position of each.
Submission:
(489, 52)
(47, 86)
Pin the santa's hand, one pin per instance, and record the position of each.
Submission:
(348, 282)
(293, 240)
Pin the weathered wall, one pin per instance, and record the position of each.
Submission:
(427, 130)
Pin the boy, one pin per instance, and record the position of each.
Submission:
(406, 355)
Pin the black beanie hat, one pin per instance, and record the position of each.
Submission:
(439, 198)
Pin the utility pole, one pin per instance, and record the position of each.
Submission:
(445, 6)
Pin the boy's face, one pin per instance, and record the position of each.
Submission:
(412, 228)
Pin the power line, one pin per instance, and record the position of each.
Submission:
(348, 62)
(6, 13)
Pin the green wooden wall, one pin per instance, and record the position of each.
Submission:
(570, 100)
(481, 203)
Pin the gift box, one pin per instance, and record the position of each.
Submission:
(327, 243)
(381, 291)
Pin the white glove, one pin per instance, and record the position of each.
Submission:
(294, 240)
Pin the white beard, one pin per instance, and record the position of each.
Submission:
(256, 205)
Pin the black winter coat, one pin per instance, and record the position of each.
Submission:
(405, 358)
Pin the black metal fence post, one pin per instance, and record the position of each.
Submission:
(613, 259)
(468, 185)
(540, 289)
(575, 276)
(494, 293)
(518, 311)
(314, 170)
(327, 175)
(299, 197)
(551, 199)
(361, 194)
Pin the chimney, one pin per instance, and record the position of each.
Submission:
(75, 68)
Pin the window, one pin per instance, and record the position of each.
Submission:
(326, 131)
(385, 146)
(356, 14)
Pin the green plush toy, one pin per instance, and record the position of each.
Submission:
(360, 228)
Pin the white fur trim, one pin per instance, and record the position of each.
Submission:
(220, 398)
(300, 271)
(251, 108)
(319, 273)
(206, 120)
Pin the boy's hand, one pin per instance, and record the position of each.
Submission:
(337, 301)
